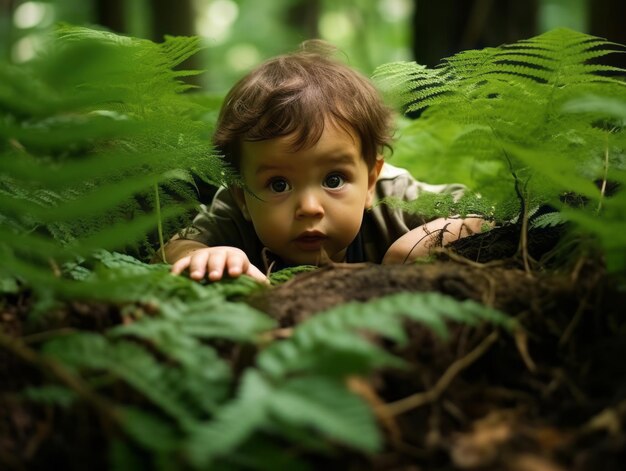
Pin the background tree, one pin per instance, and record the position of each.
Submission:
(238, 34)
(606, 19)
(445, 27)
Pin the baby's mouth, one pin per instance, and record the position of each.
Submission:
(310, 241)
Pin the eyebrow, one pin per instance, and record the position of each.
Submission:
(267, 168)
(342, 158)
(338, 159)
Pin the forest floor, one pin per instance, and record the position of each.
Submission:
(550, 396)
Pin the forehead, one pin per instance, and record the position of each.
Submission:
(335, 142)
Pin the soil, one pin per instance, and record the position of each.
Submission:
(549, 397)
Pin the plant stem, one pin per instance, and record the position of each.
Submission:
(606, 171)
(159, 222)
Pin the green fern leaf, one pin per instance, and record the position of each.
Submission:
(233, 424)
(548, 220)
(306, 403)
(78, 143)
(498, 119)
(204, 318)
(335, 332)
(127, 361)
(329, 408)
(148, 430)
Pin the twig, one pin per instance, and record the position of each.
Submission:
(56, 271)
(523, 240)
(266, 338)
(157, 201)
(361, 387)
(459, 258)
(611, 419)
(439, 233)
(419, 399)
(521, 342)
(569, 330)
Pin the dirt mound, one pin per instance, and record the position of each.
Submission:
(551, 396)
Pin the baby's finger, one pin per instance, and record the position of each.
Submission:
(255, 273)
(236, 263)
(217, 261)
(179, 266)
(198, 264)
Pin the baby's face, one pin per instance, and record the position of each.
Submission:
(307, 206)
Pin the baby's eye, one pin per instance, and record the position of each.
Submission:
(334, 180)
(279, 185)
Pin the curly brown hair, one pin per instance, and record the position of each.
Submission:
(295, 94)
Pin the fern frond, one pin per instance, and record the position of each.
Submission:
(433, 205)
(316, 403)
(300, 380)
(329, 408)
(548, 220)
(148, 430)
(205, 318)
(233, 424)
(83, 151)
(500, 123)
(126, 360)
(177, 49)
(332, 333)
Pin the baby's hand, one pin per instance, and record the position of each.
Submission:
(214, 261)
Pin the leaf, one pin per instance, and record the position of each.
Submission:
(148, 430)
(84, 150)
(603, 105)
(233, 424)
(508, 110)
(328, 407)
(336, 333)
(159, 383)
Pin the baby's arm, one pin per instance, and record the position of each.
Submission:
(211, 262)
(421, 240)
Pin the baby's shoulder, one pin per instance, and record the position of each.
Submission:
(391, 172)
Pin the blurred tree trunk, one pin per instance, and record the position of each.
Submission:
(111, 14)
(606, 20)
(6, 28)
(176, 18)
(445, 27)
(169, 17)
(304, 16)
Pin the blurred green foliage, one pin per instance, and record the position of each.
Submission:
(236, 34)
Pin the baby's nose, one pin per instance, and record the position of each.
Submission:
(309, 205)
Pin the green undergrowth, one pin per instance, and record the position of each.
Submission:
(539, 122)
(196, 410)
(187, 375)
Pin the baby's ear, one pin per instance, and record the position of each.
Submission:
(371, 181)
(240, 199)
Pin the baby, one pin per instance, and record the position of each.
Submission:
(306, 134)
